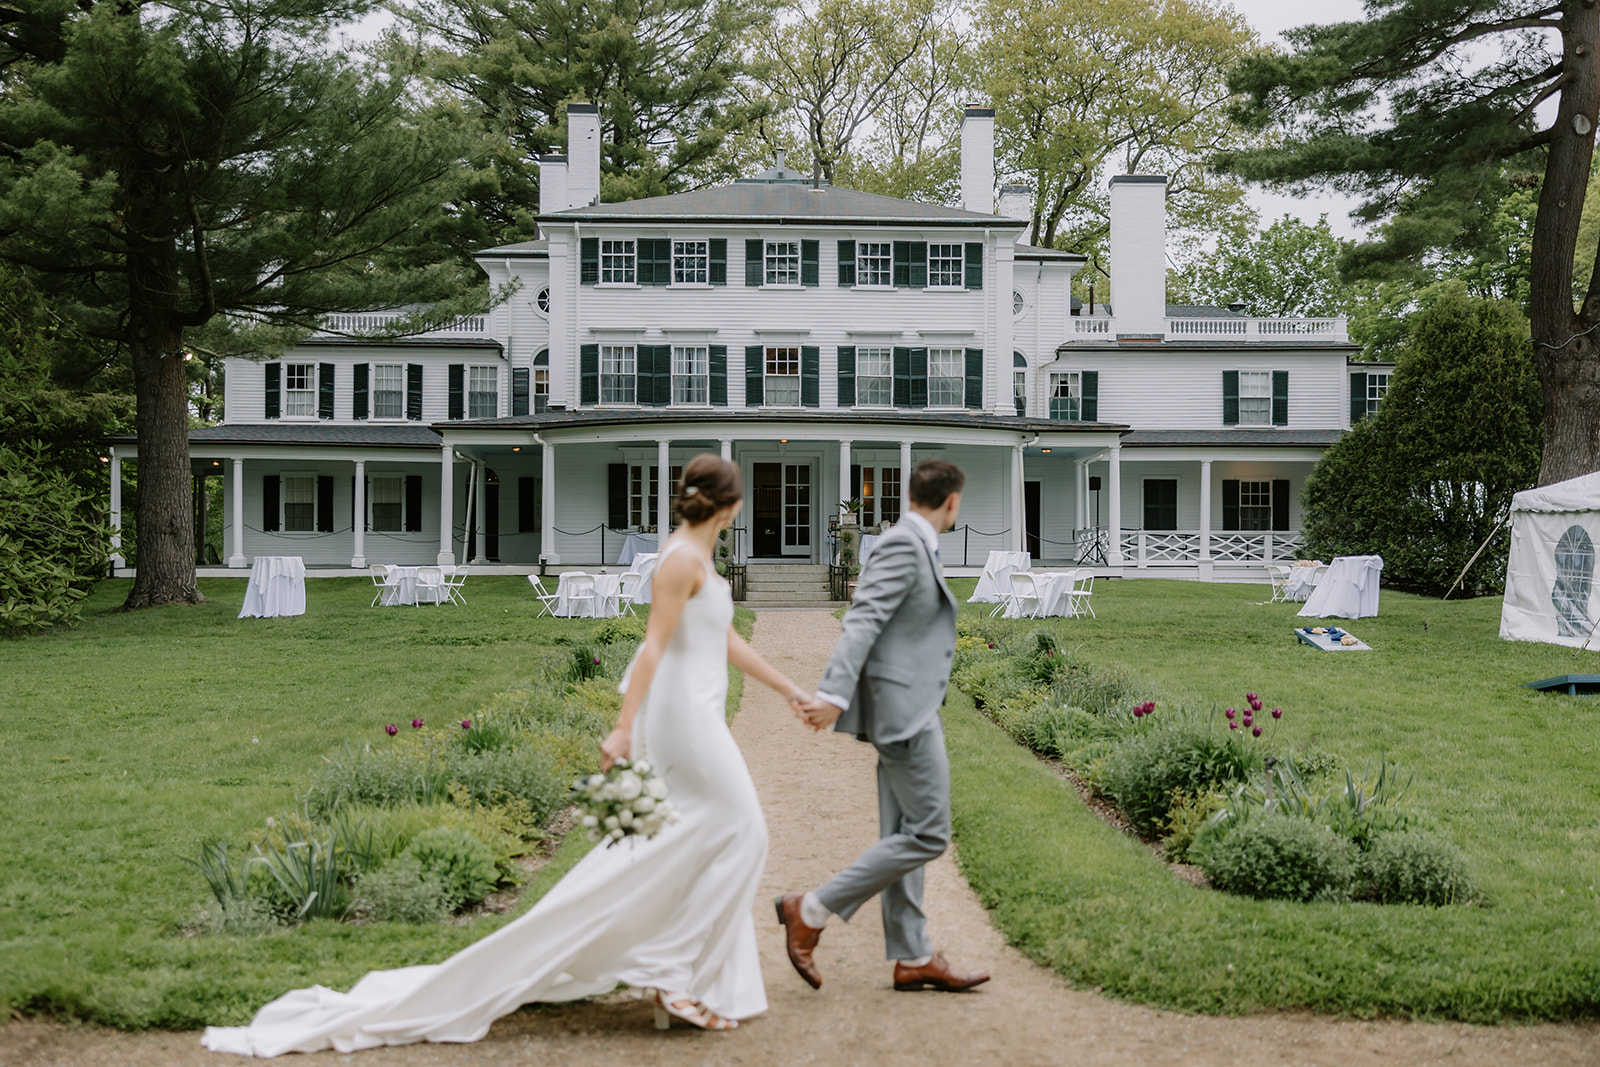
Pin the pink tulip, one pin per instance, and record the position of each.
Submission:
(1232, 725)
(1230, 714)
(1277, 713)
(391, 729)
(417, 724)
(466, 724)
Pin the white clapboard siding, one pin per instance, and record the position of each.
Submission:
(245, 389)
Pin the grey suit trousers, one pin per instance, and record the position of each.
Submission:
(914, 820)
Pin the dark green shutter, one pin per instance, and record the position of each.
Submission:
(974, 265)
(754, 265)
(1230, 503)
(589, 374)
(1089, 406)
(753, 376)
(919, 377)
(1230, 409)
(413, 503)
(718, 267)
(1280, 503)
(1280, 398)
(358, 392)
(617, 496)
(528, 505)
(902, 264)
(847, 262)
(458, 391)
(809, 252)
(654, 261)
(902, 377)
(274, 380)
(847, 374)
(324, 390)
(718, 367)
(644, 374)
(663, 377)
(519, 390)
(325, 503)
(269, 503)
(974, 377)
(810, 376)
(589, 261)
(1358, 397)
(413, 391)
(919, 264)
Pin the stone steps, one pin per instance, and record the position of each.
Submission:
(784, 583)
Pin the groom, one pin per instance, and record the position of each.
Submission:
(884, 684)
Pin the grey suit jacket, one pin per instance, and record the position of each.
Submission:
(893, 659)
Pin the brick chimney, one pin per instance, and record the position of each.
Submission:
(1139, 256)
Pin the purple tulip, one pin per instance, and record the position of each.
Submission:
(991, 644)
(1248, 722)
(1255, 705)
(1230, 714)
(466, 724)
(1232, 725)
(1256, 731)
(1138, 711)
(597, 661)
(417, 724)
(391, 729)
(1250, 697)
(1277, 713)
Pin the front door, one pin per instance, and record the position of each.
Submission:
(766, 516)
(797, 509)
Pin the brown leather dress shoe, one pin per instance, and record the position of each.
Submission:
(936, 974)
(801, 939)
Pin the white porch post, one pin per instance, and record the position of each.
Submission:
(236, 557)
(116, 510)
(1205, 511)
(727, 449)
(480, 553)
(360, 525)
(1019, 532)
(905, 477)
(1080, 497)
(844, 470)
(547, 506)
(663, 492)
(447, 509)
(1114, 506)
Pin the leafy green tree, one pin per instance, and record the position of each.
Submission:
(1425, 109)
(1426, 481)
(169, 165)
(1288, 270)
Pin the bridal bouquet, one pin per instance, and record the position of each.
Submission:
(629, 800)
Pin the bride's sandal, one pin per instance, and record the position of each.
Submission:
(690, 1011)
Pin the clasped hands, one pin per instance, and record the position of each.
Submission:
(816, 713)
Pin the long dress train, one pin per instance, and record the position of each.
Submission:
(671, 913)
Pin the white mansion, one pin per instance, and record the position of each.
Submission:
(825, 340)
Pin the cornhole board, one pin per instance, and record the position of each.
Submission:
(1576, 685)
(1329, 642)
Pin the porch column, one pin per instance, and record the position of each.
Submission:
(359, 559)
(236, 557)
(480, 551)
(1080, 496)
(905, 477)
(727, 449)
(1114, 506)
(116, 511)
(844, 470)
(447, 510)
(663, 492)
(547, 506)
(1019, 531)
(1205, 510)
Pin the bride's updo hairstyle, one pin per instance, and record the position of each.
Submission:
(710, 483)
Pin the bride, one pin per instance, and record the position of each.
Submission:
(671, 914)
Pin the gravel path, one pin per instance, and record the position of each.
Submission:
(819, 796)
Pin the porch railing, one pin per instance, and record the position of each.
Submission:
(1145, 548)
(1096, 327)
(378, 321)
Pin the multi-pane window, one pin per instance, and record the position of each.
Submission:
(617, 379)
(1255, 399)
(783, 263)
(541, 389)
(691, 374)
(617, 261)
(300, 389)
(483, 392)
(643, 492)
(1019, 391)
(388, 498)
(690, 262)
(1377, 389)
(874, 263)
(947, 377)
(874, 377)
(1255, 505)
(299, 503)
(1066, 396)
(783, 377)
(889, 495)
(388, 391)
(946, 265)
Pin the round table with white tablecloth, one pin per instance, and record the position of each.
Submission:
(277, 587)
(402, 585)
(1302, 579)
(1348, 590)
(1054, 589)
(602, 606)
(644, 565)
(634, 546)
(996, 581)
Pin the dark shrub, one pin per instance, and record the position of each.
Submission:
(1180, 756)
(1412, 868)
(1278, 858)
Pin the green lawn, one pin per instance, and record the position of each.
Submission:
(127, 742)
(1510, 775)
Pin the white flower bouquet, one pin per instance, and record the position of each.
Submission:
(629, 800)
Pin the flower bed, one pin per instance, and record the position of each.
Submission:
(1218, 788)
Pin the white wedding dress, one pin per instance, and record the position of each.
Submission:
(672, 913)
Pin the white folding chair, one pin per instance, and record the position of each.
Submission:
(1002, 589)
(628, 585)
(380, 580)
(1024, 595)
(430, 585)
(580, 589)
(547, 601)
(454, 579)
(1279, 576)
(1081, 592)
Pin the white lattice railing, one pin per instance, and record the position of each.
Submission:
(375, 321)
(1225, 329)
(1144, 548)
(1092, 325)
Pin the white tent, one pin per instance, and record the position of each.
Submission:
(1550, 578)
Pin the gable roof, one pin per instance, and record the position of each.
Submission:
(782, 201)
